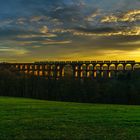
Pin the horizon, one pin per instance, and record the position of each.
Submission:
(73, 61)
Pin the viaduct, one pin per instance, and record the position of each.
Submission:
(76, 69)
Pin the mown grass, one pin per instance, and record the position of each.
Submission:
(34, 119)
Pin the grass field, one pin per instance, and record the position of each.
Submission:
(34, 119)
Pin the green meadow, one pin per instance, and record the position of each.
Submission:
(29, 119)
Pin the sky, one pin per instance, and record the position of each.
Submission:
(66, 30)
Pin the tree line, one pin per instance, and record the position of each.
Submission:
(124, 89)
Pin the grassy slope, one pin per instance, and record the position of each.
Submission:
(35, 119)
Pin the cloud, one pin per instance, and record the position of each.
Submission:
(130, 16)
(135, 31)
(21, 21)
(56, 42)
(102, 31)
(43, 42)
(38, 18)
(92, 17)
(31, 36)
(69, 29)
(109, 19)
(13, 51)
(5, 22)
(44, 29)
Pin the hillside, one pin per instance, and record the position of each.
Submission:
(35, 119)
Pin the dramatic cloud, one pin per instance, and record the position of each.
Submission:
(69, 30)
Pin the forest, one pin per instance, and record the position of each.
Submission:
(123, 89)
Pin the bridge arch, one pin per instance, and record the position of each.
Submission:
(105, 70)
(128, 67)
(120, 66)
(20, 66)
(51, 70)
(90, 67)
(46, 67)
(26, 66)
(68, 71)
(105, 67)
(97, 67)
(136, 66)
(83, 67)
(90, 71)
(97, 70)
(112, 67)
(40, 73)
(76, 67)
(83, 72)
(53, 67)
(36, 73)
(36, 67)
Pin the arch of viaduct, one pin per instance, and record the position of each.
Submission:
(76, 69)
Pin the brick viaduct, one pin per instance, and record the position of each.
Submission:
(76, 69)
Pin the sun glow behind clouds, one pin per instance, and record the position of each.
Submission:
(70, 30)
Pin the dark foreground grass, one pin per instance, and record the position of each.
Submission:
(34, 119)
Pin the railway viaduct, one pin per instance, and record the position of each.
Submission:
(76, 69)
